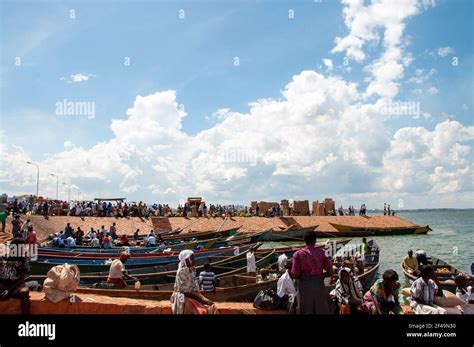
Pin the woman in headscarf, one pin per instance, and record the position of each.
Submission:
(348, 292)
(186, 298)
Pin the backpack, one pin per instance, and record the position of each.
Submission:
(267, 300)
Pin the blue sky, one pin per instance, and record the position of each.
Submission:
(194, 57)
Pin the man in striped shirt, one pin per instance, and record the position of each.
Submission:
(207, 279)
(423, 291)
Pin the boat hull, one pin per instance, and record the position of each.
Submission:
(349, 231)
(446, 282)
(42, 266)
(291, 234)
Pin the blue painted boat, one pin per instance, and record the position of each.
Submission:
(44, 264)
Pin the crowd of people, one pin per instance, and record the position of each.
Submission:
(102, 237)
(301, 287)
(427, 288)
(86, 208)
(23, 230)
(121, 209)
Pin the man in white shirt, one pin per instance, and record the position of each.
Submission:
(117, 271)
(251, 266)
(95, 242)
(286, 287)
(151, 241)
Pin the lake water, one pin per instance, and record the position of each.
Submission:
(452, 239)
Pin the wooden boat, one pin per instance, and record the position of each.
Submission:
(221, 264)
(372, 264)
(240, 287)
(332, 247)
(43, 265)
(201, 235)
(231, 285)
(292, 233)
(446, 278)
(198, 246)
(181, 237)
(351, 231)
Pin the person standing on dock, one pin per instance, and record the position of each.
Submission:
(384, 208)
(3, 216)
(113, 231)
(308, 268)
(194, 211)
(388, 209)
(204, 210)
(25, 227)
(251, 266)
(16, 226)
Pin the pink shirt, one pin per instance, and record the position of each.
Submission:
(310, 261)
